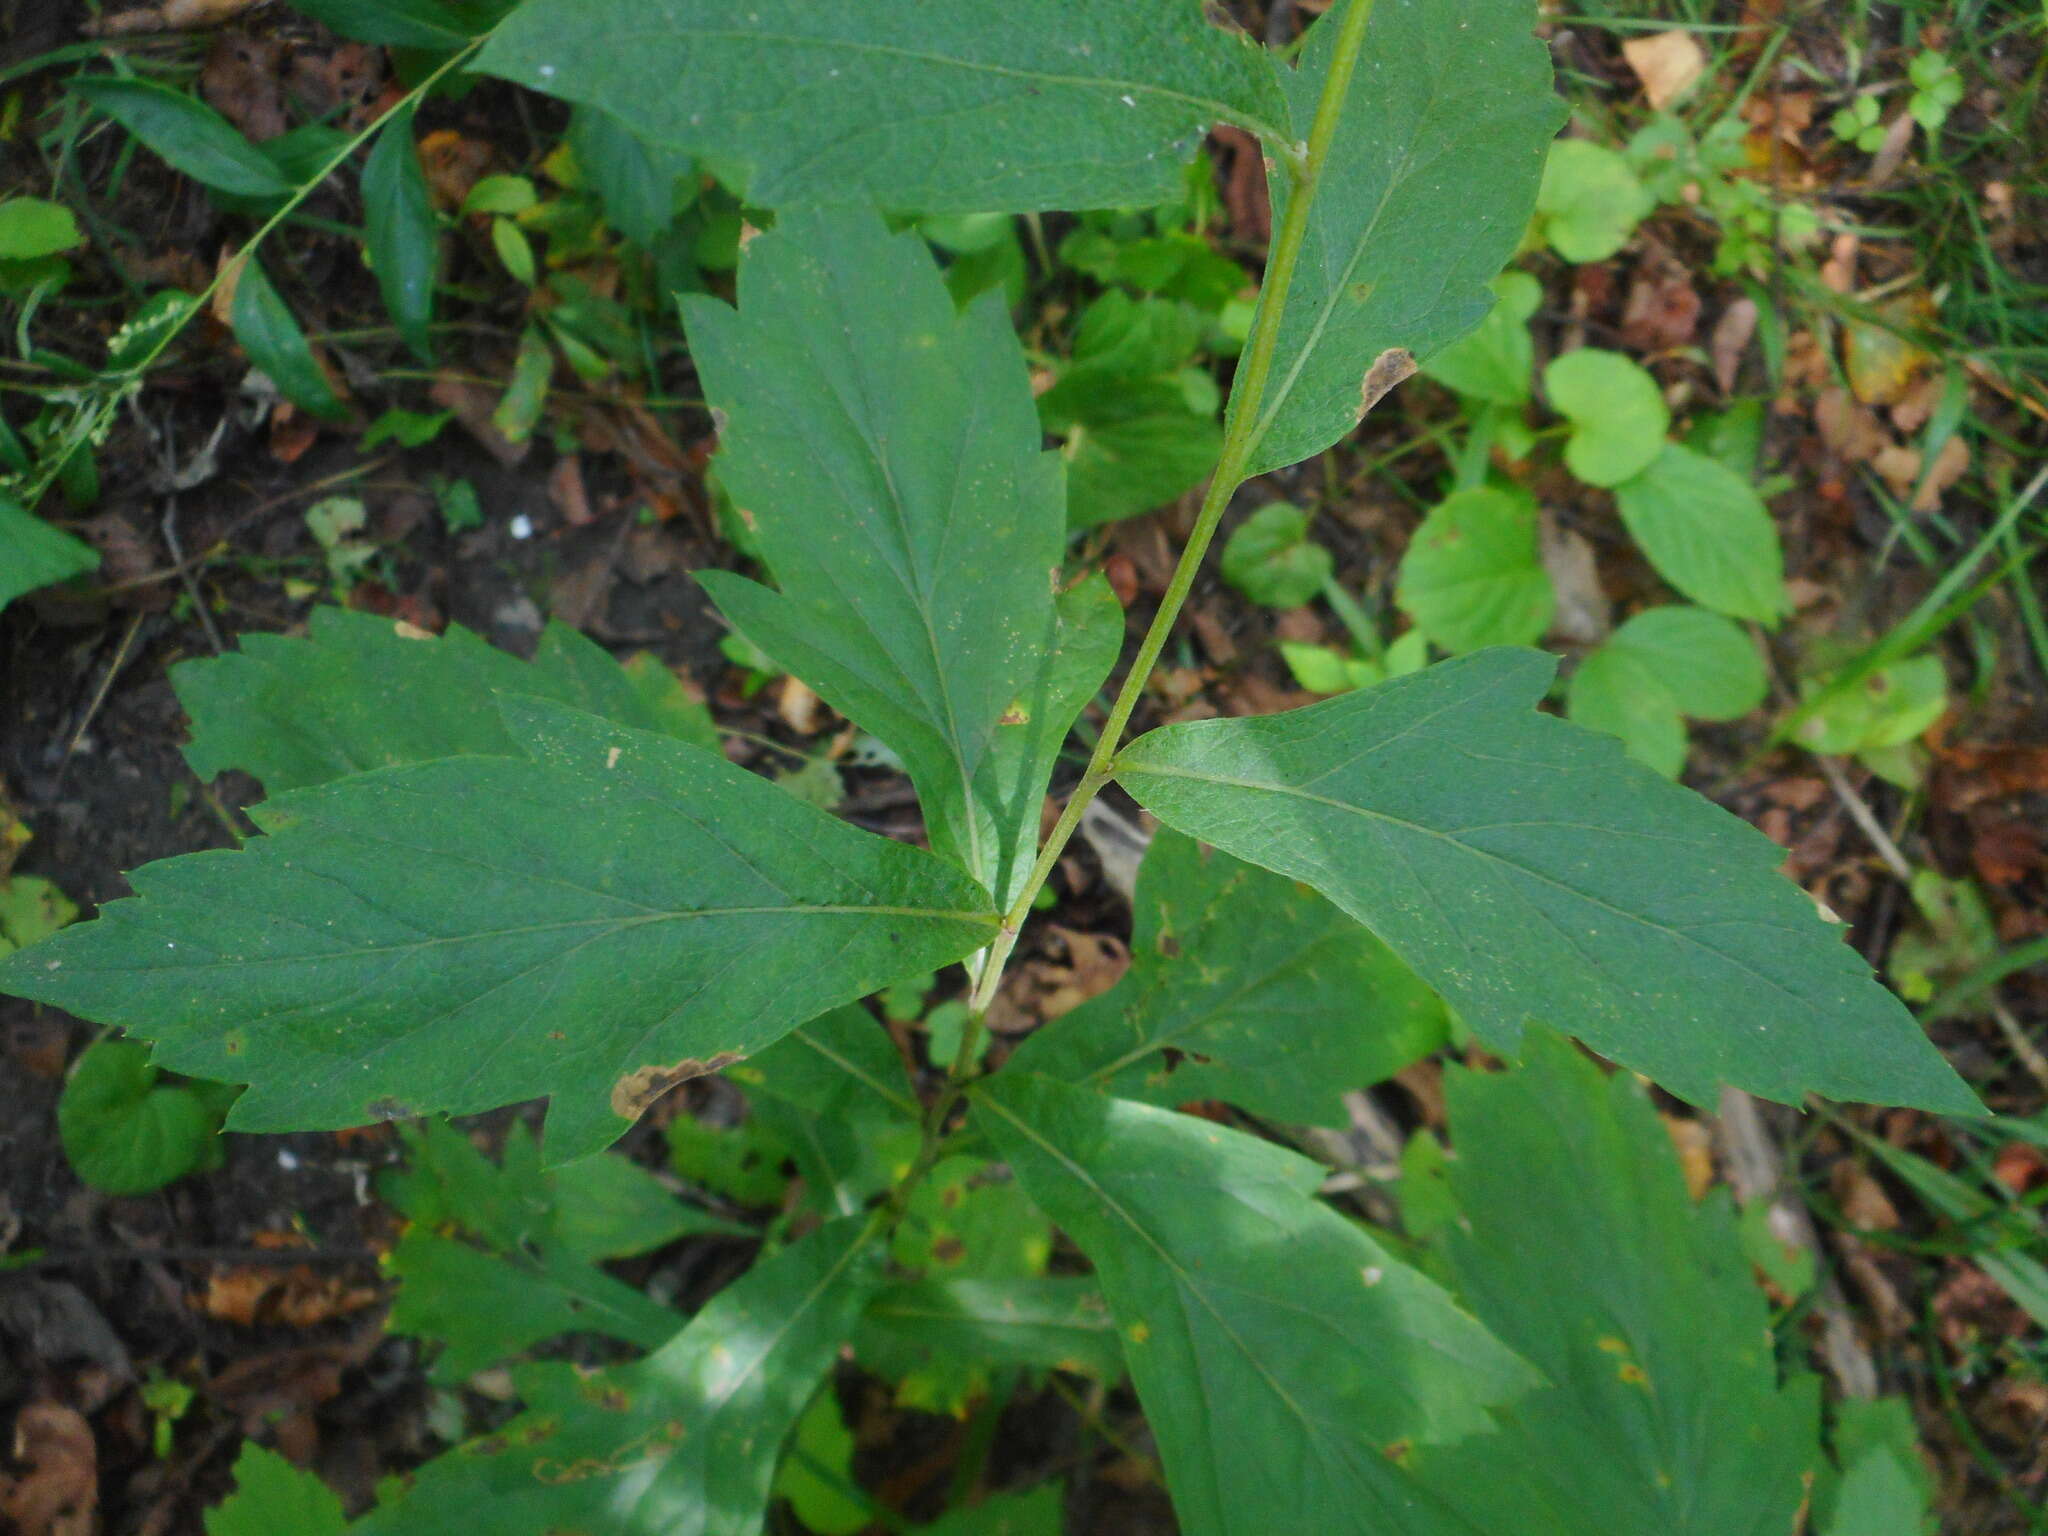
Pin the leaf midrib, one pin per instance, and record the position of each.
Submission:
(981, 919)
(1683, 935)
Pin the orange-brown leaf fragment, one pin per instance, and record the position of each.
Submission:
(1391, 368)
(634, 1093)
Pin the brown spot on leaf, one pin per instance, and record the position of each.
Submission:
(1392, 367)
(637, 1090)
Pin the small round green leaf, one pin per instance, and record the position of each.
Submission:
(1889, 708)
(1272, 560)
(1705, 662)
(1617, 413)
(31, 227)
(1708, 533)
(1473, 576)
(1497, 362)
(124, 1133)
(1613, 692)
(1590, 201)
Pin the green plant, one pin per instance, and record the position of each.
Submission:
(527, 883)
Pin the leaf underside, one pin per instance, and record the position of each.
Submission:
(1429, 185)
(885, 450)
(1279, 1351)
(595, 922)
(938, 106)
(1529, 871)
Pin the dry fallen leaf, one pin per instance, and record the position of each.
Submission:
(1851, 432)
(1903, 471)
(1668, 63)
(1733, 333)
(267, 1296)
(55, 1492)
(1881, 363)
(171, 16)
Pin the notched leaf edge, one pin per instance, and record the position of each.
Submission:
(635, 1093)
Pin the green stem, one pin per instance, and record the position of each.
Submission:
(86, 425)
(1243, 431)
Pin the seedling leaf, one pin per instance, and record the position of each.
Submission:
(1617, 413)
(1527, 870)
(611, 914)
(1708, 533)
(1473, 575)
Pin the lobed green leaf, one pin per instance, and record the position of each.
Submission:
(684, 1442)
(596, 922)
(301, 711)
(1244, 986)
(1529, 871)
(884, 449)
(1579, 1245)
(937, 106)
(1429, 186)
(1280, 1353)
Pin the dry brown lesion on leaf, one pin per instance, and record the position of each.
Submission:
(634, 1093)
(1392, 367)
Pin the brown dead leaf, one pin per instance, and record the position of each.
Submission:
(567, 493)
(2005, 851)
(453, 165)
(171, 16)
(279, 1296)
(1245, 193)
(798, 706)
(55, 1492)
(292, 432)
(1787, 114)
(1850, 431)
(1838, 272)
(1668, 63)
(2021, 1167)
(473, 405)
(1663, 309)
(343, 79)
(1733, 333)
(1862, 1199)
(1901, 469)
(1970, 775)
(579, 597)
(243, 80)
(1891, 153)
(1095, 963)
(1882, 363)
(1909, 413)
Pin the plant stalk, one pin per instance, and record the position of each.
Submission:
(1244, 429)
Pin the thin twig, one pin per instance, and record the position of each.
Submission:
(184, 570)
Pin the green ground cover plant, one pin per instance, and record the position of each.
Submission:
(543, 880)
